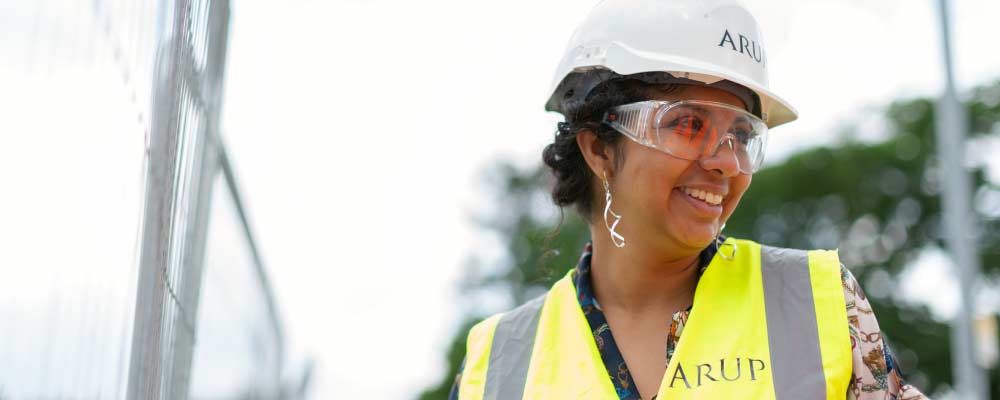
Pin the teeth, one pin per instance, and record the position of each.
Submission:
(710, 198)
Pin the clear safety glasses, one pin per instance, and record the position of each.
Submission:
(694, 129)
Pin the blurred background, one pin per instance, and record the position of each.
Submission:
(315, 199)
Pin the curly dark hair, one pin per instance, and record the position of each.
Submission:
(563, 156)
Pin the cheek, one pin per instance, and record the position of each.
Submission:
(649, 177)
(653, 179)
(738, 186)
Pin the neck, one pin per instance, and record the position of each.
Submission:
(639, 279)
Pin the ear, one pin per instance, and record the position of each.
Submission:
(599, 156)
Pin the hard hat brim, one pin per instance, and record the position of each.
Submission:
(620, 60)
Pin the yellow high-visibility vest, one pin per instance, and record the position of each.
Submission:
(766, 323)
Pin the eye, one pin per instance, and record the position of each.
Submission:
(743, 134)
(686, 123)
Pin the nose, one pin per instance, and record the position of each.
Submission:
(723, 160)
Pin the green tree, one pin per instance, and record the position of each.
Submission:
(878, 202)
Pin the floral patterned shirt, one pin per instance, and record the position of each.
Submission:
(875, 374)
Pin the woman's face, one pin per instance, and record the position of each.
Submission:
(653, 190)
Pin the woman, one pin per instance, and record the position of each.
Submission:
(667, 114)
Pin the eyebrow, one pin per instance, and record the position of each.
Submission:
(694, 107)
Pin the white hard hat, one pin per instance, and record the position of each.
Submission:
(713, 42)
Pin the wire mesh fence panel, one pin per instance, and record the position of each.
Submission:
(77, 80)
(182, 164)
(110, 161)
(240, 351)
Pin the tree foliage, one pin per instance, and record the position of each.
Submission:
(877, 201)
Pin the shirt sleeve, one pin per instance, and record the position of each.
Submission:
(875, 373)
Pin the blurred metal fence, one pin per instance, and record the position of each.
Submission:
(133, 272)
(185, 113)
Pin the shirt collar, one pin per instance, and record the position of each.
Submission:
(585, 288)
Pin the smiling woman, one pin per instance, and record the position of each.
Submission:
(758, 322)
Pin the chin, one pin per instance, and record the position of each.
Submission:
(693, 240)
(700, 243)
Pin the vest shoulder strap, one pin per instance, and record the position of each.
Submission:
(498, 353)
(807, 322)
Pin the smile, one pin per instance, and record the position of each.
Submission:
(708, 197)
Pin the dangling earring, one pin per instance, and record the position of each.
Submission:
(616, 238)
(719, 243)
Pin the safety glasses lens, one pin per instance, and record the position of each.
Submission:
(697, 130)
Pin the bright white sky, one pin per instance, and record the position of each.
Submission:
(359, 129)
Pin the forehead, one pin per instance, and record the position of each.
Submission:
(691, 92)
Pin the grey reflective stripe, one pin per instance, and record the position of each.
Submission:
(510, 352)
(796, 361)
